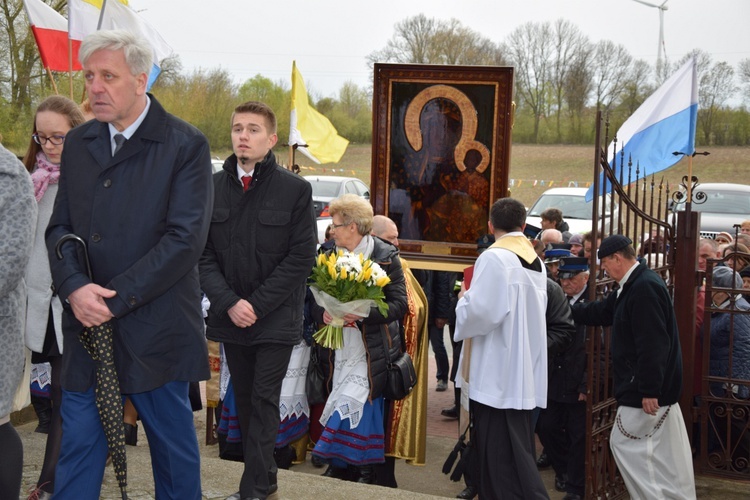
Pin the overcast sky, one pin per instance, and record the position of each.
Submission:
(330, 39)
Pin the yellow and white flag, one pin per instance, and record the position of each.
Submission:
(307, 126)
(83, 17)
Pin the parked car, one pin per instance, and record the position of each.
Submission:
(217, 164)
(326, 188)
(725, 205)
(572, 202)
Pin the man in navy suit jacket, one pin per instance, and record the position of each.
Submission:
(143, 207)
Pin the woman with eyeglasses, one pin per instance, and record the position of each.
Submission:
(54, 117)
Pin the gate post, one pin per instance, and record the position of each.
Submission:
(685, 295)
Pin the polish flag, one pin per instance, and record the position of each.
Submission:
(50, 31)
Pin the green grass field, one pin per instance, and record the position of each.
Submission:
(558, 165)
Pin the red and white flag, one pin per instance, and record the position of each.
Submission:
(50, 31)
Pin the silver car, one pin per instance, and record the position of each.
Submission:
(725, 205)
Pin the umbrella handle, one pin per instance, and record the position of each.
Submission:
(77, 239)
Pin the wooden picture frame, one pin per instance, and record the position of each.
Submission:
(441, 155)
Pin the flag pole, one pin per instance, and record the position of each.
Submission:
(52, 79)
(70, 66)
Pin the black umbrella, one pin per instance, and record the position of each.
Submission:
(98, 341)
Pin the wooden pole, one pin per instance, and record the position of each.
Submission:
(291, 156)
(70, 66)
(52, 79)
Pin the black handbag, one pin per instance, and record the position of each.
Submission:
(401, 377)
(315, 384)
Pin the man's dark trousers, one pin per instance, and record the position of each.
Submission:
(257, 374)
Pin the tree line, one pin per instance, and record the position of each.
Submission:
(561, 79)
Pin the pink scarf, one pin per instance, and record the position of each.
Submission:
(46, 173)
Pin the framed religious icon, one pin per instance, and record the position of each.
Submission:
(441, 153)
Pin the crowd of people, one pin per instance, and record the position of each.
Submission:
(164, 235)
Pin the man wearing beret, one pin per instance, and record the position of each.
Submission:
(649, 440)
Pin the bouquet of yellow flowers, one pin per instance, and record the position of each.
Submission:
(346, 283)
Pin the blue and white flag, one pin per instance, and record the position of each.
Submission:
(662, 125)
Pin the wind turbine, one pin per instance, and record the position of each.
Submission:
(662, 49)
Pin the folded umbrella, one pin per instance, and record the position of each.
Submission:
(98, 341)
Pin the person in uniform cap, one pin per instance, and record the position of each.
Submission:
(649, 441)
(562, 425)
(552, 257)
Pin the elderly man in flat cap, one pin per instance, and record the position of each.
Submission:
(649, 440)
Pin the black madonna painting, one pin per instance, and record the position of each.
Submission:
(441, 153)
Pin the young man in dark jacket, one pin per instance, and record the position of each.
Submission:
(260, 251)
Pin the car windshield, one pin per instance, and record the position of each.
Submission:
(722, 202)
(572, 206)
(325, 189)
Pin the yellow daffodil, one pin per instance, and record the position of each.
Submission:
(321, 259)
(342, 275)
(332, 271)
(382, 281)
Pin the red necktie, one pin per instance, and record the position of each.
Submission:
(246, 180)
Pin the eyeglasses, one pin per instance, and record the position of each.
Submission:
(55, 139)
(334, 226)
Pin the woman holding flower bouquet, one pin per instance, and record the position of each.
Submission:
(359, 267)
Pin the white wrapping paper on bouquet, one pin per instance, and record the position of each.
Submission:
(332, 335)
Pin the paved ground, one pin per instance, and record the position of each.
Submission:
(220, 478)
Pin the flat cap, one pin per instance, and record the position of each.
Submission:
(612, 244)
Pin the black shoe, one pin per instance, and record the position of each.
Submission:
(451, 412)
(273, 483)
(43, 409)
(572, 496)
(543, 461)
(561, 482)
(366, 474)
(468, 493)
(317, 461)
(131, 434)
(335, 472)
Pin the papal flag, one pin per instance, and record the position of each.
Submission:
(83, 17)
(307, 126)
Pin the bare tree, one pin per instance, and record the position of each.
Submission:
(19, 58)
(429, 41)
(612, 64)
(577, 90)
(530, 48)
(744, 73)
(569, 46)
(411, 42)
(637, 88)
(716, 87)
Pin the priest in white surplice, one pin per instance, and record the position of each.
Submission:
(502, 315)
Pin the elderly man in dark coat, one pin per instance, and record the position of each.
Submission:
(648, 440)
(136, 186)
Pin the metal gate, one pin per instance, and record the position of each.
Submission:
(637, 207)
(723, 409)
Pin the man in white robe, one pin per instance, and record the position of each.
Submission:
(503, 315)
